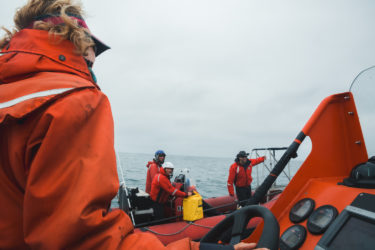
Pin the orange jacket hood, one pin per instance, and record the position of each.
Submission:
(31, 51)
(33, 63)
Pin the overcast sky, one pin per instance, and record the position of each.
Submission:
(211, 77)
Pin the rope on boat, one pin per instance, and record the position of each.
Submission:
(119, 165)
(179, 231)
(201, 225)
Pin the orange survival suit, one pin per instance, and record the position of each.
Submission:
(153, 168)
(57, 160)
(161, 188)
(239, 177)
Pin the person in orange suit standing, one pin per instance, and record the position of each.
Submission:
(240, 175)
(154, 167)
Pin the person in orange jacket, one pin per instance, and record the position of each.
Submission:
(240, 175)
(162, 188)
(56, 139)
(154, 167)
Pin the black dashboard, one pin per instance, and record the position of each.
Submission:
(353, 228)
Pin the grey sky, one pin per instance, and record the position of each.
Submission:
(214, 77)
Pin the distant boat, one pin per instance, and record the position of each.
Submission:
(137, 204)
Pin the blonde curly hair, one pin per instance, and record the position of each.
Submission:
(69, 30)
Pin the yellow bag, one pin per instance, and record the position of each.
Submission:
(192, 207)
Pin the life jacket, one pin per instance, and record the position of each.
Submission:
(241, 176)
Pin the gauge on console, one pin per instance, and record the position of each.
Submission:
(321, 218)
(293, 238)
(301, 210)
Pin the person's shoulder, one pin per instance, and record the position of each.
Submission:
(164, 178)
(234, 164)
(156, 178)
(152, 164)
(79, 104)
(160, 178)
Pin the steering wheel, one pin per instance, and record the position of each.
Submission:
(238, 221)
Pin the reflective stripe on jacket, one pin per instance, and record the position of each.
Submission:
(239, 177)
(161, 188)
(152, 169)
(57, 163)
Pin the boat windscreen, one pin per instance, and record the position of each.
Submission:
(363, 90)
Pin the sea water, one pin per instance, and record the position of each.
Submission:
(209, 173)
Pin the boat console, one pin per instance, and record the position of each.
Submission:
(330, 202)
(353, 228)
(136, 203)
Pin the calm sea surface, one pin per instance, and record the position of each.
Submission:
(209, 173)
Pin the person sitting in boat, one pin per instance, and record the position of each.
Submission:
(162, 188)
(240, 175)
(154, 167)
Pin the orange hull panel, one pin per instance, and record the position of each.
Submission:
(337, 147)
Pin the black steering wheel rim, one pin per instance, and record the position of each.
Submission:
(238, 221)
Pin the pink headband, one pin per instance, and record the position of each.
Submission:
(56, 19)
